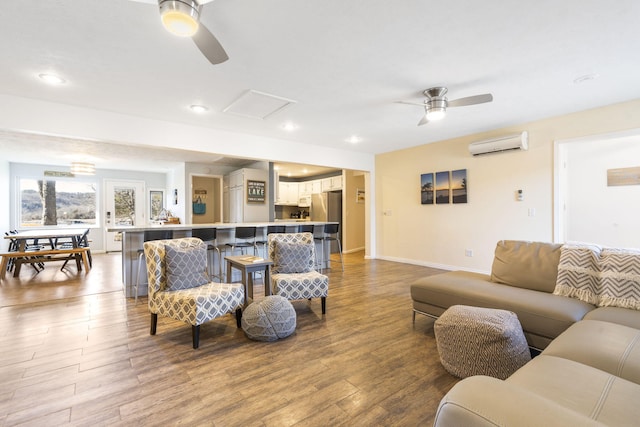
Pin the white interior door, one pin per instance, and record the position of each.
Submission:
(124, 205)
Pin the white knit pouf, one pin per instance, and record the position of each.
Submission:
(480, 341)
(269, 319)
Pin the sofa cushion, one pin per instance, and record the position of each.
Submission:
(606, 346)
(490, 402)
(596, 394)
(529, 265)
(621, 316)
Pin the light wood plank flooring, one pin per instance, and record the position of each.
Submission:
(74, 351)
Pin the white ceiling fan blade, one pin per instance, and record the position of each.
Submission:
(471, 100)
(420, 104)
(209, 45)
(423, 120)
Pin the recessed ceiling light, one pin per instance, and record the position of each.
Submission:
(51, 79)
(586, 78)
(289, 127)
(354, 139)
(199, 109)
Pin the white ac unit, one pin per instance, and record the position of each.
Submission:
(494, 145)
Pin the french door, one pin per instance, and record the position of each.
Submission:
(124, 205)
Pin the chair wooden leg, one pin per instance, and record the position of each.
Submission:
(154, 323)
(195, 332)
(324, 304)
(239, 317)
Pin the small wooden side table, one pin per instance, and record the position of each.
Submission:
(246, 267)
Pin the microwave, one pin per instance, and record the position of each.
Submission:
(304, 201)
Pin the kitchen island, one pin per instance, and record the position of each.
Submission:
(133, 240)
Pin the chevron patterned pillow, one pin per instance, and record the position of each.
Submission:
(293, 258)
(186, 267)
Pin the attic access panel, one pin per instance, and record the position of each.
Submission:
(257, 105)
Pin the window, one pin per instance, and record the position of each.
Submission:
(56, 202)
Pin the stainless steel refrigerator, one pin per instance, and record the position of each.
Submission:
(327, 207)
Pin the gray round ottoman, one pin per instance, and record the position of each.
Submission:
(270, 319)
(480, 341)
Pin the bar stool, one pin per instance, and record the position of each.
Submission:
(305, 228)
(271, 229)
(309, 228)
(330, 234)
(245, 237)
(210, 237)
(148, 236)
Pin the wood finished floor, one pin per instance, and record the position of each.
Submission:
(74, 351)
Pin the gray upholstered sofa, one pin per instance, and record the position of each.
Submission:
(589, 371)
(523, 279)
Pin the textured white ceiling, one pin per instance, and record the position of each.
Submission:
(344, 62)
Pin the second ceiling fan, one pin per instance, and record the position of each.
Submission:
(435, 106)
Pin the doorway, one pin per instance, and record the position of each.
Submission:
(206, 195)
(584, 196)
(124, 205)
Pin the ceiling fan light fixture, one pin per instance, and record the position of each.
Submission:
(436, 109)
(180, 17)
(436, 114)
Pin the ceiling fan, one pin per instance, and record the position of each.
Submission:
(182, 18)
(435, 106)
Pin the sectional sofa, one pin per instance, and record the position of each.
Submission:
(588, 372)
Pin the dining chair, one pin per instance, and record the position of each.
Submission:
(83, 242)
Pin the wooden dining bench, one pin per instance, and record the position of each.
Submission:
(48, 255)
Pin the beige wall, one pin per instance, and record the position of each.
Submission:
(438, 235)
(353, 238)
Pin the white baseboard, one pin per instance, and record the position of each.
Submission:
(431, 264)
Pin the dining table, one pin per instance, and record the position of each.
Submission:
(47, 239)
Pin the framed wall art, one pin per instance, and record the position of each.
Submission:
(426, 189)
(459, 186)
(256, 191)
(443, 186)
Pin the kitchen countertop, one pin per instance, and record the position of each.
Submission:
(218, 225)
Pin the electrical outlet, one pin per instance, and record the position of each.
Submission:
(532, 211)
(468, 252)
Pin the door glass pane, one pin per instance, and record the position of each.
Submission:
(125, 205)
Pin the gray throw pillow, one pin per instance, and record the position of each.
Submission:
(186, 267)
(293, 257)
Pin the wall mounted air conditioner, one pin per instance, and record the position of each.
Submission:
(495, 145)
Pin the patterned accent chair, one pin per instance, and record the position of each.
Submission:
(179, 285)
(293, 274)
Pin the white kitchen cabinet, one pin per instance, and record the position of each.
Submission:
(331, 184)
(236, 206)
(236, 178)
(316, 186)
(336, 182)
(326, 184)
(288, 193)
